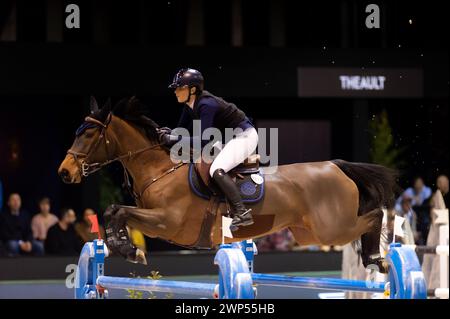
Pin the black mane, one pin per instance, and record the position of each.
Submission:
(132, 110)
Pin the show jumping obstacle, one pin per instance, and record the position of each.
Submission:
(442, 250)
(237, 279)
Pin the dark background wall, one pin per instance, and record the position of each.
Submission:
(249, 52)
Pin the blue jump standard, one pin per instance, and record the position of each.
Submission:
(236, 278)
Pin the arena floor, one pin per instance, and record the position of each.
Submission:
(55, 289)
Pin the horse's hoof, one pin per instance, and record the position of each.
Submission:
(384, 266)
(380, 264)
(138, 257)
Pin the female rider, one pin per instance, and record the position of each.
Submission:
(213, 111)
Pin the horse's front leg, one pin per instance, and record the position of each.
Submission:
(117, 237)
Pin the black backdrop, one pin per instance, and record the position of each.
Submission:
(134, 47)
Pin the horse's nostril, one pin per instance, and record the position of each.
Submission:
(64, 173)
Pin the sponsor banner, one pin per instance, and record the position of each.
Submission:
(358, 82)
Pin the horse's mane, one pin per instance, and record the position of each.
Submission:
(135, 112)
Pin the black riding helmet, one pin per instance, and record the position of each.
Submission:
(189, 77)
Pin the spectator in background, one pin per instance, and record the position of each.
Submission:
(419, 193)
(83, 227)
(442, 186)
(279, 241)
(406, 211)
(42, 221)
(15, 229)
(440, 197)
(62, 238)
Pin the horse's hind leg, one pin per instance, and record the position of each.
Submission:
(368, 228)
(303, 236)
(370, 241)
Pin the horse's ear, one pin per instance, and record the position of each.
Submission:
(93, 105)
(106, 109)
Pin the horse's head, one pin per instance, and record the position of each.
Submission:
(89, 152)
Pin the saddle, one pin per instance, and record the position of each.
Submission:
(248, 179)
(246, 175)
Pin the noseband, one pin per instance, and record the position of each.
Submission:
(81, 158)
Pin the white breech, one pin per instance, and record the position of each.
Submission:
(236, 151)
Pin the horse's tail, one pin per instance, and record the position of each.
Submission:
(377, 185)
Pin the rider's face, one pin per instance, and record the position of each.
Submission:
(182, 94)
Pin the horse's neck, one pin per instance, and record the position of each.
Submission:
(146, 166)
(142, 166)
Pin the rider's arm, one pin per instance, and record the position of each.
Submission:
(206, 111)
(185, 118)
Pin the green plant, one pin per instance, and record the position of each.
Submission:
(110, 193)
(136, 294)
(383, 150)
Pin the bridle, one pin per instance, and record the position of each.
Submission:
(81, 158)
(87, 168)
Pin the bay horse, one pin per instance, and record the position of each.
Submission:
(321, 203)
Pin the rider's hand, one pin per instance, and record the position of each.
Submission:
(164, 129)
(167, 139)
(164, 135)
(164, 138)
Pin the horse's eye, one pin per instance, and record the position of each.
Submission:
(89, 133)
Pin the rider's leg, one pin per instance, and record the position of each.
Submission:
(241, 215)
(234, 153)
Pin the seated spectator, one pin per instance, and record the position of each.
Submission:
(42, 221)
(15, 229)
(406, 211)
(442, 186)
(83, 227)
(279, 241)
(420, 197)
(419, 193)
(62, 238)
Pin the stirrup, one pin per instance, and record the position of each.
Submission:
(244, 213)
(238, 220)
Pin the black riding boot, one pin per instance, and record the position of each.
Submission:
(241, 215)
